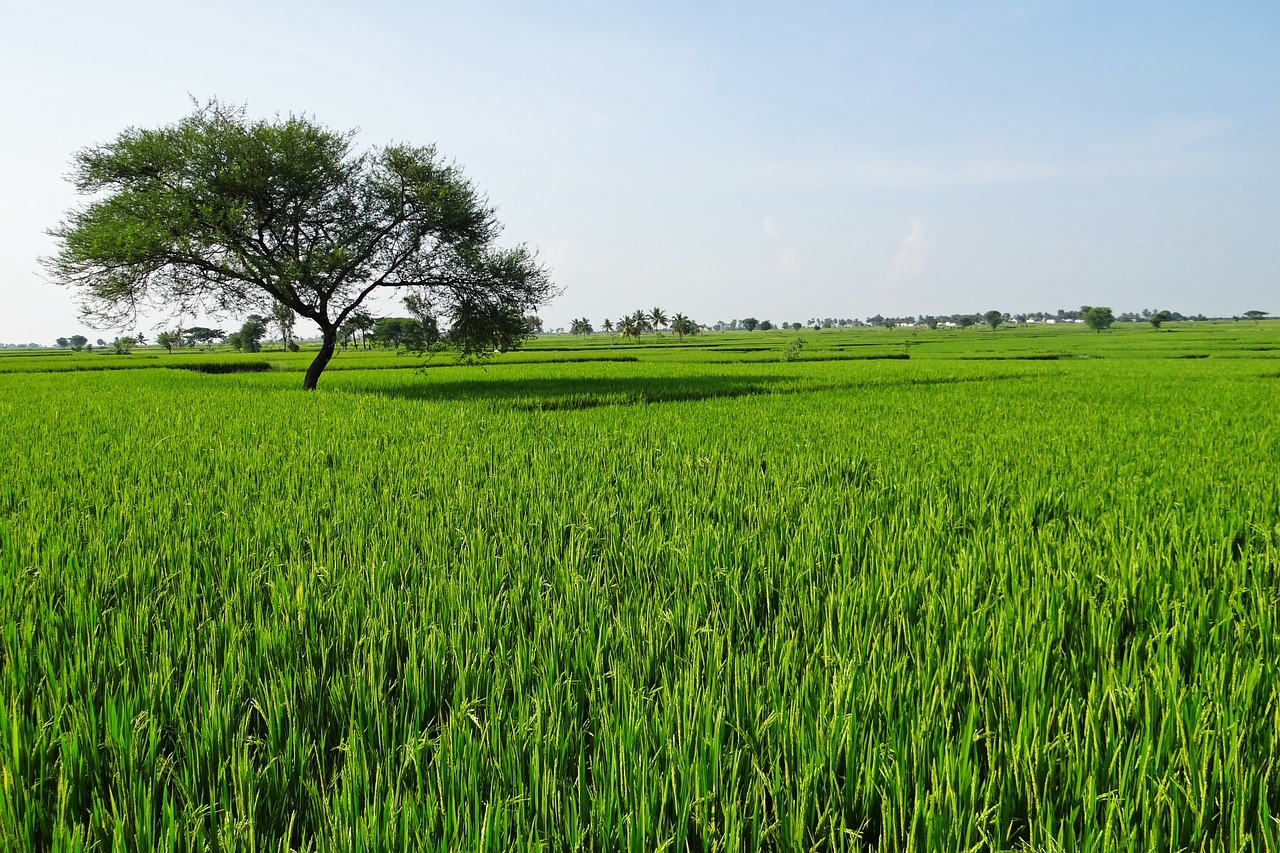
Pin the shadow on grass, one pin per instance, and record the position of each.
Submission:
(1024, 357)
(567, 393)
(576, 393)
(220, 367)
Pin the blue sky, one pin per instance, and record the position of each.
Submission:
(729, 159)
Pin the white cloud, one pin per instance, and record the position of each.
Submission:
(771, 227)
(789, 259)
(908, 261)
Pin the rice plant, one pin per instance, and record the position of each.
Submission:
(937, 603)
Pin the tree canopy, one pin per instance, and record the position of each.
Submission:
(1097, 317)
(408, 332)
(225, 214)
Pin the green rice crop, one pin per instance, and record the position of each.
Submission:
(942, 603)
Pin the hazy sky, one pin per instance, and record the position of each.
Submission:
(727, 159)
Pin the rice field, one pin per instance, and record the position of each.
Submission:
(917, 591)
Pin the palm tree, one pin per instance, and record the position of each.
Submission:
(682, 325)
(640, 324)
(658, 317)
(634, 325)
(607, 325)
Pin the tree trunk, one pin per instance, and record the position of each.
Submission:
(328, 342)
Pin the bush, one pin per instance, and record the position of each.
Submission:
(792, 350)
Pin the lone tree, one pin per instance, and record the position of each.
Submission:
(249, 338)
(1255, 315)
(1097, 318)
(225, 214)
(1158, 318)
(202, 335)
(993, 318)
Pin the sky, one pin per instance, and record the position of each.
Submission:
(724, 160)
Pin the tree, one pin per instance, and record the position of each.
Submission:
(407, 332)
(993, 319)
(1157, 318)
(78, 342)
(1255, 316)
(203, 335)
(634, 325)
(169, 340)
(360, 321)
(658, 318)
(1097, 318)
(283, 317)
(683, 325)
(249, 338)
(347, 333)
(221, 213)
(123, 345)
(765, 325)
(750, 324)
(581, 326)
(419, 333)
(791, 352)
(62, 343)
(607, 325)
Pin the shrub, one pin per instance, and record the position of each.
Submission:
(792, 350)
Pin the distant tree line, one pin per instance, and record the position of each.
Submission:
(641, 322)
(421, 331)
(638, 323)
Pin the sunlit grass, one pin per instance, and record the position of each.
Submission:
(933, 604)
